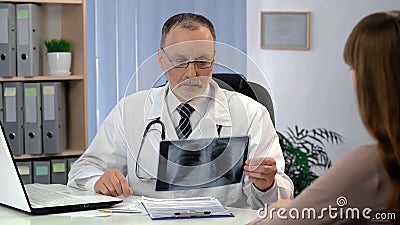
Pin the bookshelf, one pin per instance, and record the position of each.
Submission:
(66, 19)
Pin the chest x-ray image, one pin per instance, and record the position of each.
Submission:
(200, 163)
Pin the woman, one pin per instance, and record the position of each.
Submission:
(364, 186)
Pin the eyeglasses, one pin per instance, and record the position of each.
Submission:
(198, 63)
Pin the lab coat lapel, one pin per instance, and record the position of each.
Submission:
(221, 111)
(159, 109)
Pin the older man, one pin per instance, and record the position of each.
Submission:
(191, 105)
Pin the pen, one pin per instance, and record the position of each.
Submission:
(192, 214)
(119, 210)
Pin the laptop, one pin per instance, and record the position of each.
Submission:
(201, 163)
(39, 199)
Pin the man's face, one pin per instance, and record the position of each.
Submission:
(180, 47)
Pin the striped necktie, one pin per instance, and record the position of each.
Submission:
(184, 128)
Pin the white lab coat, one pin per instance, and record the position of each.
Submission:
(117, 142)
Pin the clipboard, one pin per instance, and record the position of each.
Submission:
(184, 208)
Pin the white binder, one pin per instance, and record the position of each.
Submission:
(8, 51)
(29, 20)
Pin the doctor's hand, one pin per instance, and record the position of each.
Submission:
(113, 183)
(261, 172)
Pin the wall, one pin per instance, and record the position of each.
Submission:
(313, 88)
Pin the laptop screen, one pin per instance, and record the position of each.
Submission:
(13, 193)
(201, 163)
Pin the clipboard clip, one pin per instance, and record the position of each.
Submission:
(191, 214)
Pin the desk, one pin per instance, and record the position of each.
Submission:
(10, 216)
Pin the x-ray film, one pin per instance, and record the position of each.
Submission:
(201, 163)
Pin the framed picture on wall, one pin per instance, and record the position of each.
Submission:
(285, 30)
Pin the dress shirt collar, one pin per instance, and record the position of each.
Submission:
(220, 114)
(198, 103)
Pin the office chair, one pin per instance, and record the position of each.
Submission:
(239, 83)
(264, 98)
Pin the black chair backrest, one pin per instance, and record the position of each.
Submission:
(234, 82)
(264, 98)
(239, 83)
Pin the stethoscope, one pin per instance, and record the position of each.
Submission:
(146, 131)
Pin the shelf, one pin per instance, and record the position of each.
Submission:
(66, 153)
(41, 78)
(48, 1)
(64, 19)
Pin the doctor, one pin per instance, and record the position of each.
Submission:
(191, 105)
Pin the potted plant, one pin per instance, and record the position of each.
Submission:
(305, 155)
(58, 56)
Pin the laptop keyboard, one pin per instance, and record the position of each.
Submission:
(44, 197)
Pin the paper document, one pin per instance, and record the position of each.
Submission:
(184, 208)
(128, 207)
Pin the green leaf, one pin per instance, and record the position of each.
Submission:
(303, 150)
(57, 45)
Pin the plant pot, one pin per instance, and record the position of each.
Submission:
(59, 63)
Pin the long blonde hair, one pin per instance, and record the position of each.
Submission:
(373, 51)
